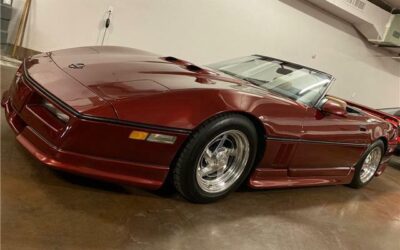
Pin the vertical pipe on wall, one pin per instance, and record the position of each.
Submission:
(21, 27)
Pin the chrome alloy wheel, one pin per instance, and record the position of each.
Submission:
(223, 161)
(370, 165)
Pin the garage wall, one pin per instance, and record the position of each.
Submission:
(206, 31)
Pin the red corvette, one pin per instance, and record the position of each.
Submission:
(133, 117)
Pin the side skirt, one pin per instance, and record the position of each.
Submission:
(261, 179)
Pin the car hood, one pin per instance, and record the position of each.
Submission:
(116, 73)
(139, 86)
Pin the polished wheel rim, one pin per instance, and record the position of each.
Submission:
(222, 161)
(370, 165)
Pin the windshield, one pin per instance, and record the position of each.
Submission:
(293, 81)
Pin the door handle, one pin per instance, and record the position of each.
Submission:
(363, 128)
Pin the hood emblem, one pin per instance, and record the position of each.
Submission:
(76, 66)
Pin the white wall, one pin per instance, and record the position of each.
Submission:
(206, 31)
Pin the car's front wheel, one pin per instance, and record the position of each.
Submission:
(217, 158)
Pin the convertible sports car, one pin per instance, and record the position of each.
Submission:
(133, 117)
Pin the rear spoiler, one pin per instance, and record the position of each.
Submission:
(390, 118)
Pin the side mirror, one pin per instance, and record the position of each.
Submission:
(335, 107)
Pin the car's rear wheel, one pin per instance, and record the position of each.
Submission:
(216, 159)
(369, 164)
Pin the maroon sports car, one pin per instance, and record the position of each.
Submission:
(133, 117)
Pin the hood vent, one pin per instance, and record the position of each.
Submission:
(194, 68)
(187, 65)
(175, 60)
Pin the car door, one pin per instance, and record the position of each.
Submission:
(330, 145)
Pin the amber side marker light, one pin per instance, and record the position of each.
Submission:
(152, 137)
(138, 135)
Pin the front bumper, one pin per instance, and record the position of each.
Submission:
(140, 170)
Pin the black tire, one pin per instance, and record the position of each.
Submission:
(356, 182)
(184, 172)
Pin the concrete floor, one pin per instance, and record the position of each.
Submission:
(44, 209)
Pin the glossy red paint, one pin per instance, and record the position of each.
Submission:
(334, 107)
(395, 120)
(120, 89)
